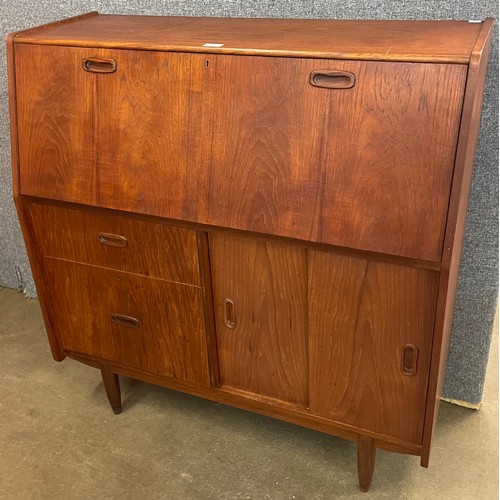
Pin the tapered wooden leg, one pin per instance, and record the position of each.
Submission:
(112, 387)
(366, 462)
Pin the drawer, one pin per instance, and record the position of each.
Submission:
(150, 324)
(114, 241)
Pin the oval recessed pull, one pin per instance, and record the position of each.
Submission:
(112, 240)
(229, 316)
(332, 79)
(410, 359)
(123, 320)
(99, 65)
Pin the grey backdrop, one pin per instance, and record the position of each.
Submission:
(477, 293)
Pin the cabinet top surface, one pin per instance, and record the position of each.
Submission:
(422, 41)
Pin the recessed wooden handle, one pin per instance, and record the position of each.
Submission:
(112, 240)
(122, 320)
(410, 359)
(99, 65)
(229, 315)
(332, 79)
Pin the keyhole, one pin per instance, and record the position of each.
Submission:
(207, 62)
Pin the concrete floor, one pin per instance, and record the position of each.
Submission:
(60, 440)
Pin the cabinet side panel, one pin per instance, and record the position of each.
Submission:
(452, 250)
(362, 314)
(14, 144)
(55, 123)
(265, 351)
(24, 219)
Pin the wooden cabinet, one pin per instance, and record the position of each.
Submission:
(265, 213)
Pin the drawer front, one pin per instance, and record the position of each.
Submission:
(154, 325)
(362, 160)
(114, 241)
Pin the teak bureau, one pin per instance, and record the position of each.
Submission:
(266, 213)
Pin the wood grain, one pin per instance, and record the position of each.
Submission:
(153, 249)
(170, 340)
(452, 250)
(388, 40)
(56, 123)
(350, 167)
(28, 233)
(361, 314)
(261, 174)
(266, 352)
(153, 140)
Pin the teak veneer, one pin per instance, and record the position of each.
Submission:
(268, 213)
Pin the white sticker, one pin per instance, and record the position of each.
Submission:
(216, 45)
(473, 21)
